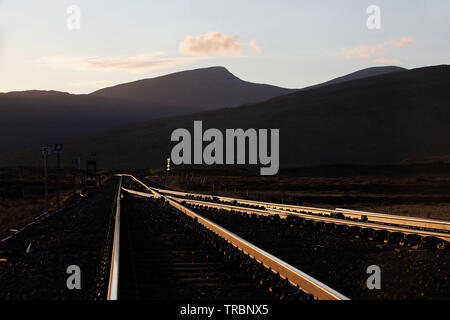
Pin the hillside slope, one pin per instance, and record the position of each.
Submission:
(34, 118)
(360, 74)
(207, 89)
(378, 120)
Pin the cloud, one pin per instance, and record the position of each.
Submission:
(388, 61)
(403, 42)
(252, 44)
(211, 43)
(376, 50)
(132, 64)
(364, 51)
(202, 47)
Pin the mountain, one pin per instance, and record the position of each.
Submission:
(377, 120)
(364, 73)
(207, 89)
(35, 118)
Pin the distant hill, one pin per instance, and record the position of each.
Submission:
(364, 73)
(207, 89)
(377, 120)
(34, 118)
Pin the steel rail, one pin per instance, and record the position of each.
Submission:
(298, 278)
(228, 207)
(284, 214)
(286, 271)
(403, 220)
(371, 216)
(139, 193)
(375, 220)
(250, 202)
(113, 286)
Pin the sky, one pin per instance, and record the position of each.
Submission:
(80, 46)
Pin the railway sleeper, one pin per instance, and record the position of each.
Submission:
(434, 243)
(398, 238)
(263, 275)
(366, 233)
(281, 287)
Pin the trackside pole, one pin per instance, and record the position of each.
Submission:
(46, 183)
(57, 180)
(46, 153)
(167, 170)
(58, 150)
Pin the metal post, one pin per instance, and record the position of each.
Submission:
(58, 151)
(74, 182)
(46, 181)
(167, 170)
(57, 180)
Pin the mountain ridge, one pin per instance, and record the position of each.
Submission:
(187, 88)
(360, 74)
(378, 120)
(36, 117)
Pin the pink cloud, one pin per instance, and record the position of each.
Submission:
(255, 47)
(131, 64)
(388, 61)
(403, 42)
(375, 50)
(211, 43)
(364, 51)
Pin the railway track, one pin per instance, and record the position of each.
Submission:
(339, 255)
(34, 262)
(321, 218)
(163, 250)
(321, 244)
(425, 228)
(378, 221)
